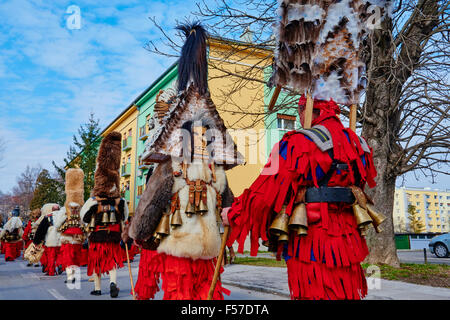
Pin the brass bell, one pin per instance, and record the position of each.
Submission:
(283, 237)
(362, 218)
(378, 229)
(190, 210)
(377, 217)
(280, 223)
(302, 231)
(202, 208)
(176, 221)
(218, 215)
(363, 231)
(163, 228)
(298, 217)
(112, 217)
(105, 218)
(92, 223)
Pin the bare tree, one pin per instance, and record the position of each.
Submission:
(405, 110)
(22, 193)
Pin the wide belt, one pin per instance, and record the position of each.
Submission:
(329, 194)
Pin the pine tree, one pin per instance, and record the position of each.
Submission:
(83, 153)
(47, 190)
(415, 225)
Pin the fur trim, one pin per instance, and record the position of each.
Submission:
(107, 179)
(47, 209)
(13, 223)
(153, 202)
(87, 205)
(198, 237)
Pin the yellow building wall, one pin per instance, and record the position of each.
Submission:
(247, 130)
(432, 207)
(126, 122)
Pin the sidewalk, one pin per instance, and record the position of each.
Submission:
(274, 280)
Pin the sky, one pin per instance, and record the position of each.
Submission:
(57, 65)
(55, 69)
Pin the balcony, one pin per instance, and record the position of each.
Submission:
(141, 165)
(126, 144)
(126, 195)
(126, 170)
(143, 133)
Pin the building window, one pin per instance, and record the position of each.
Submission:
(285, 122)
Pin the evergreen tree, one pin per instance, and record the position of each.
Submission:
(83, 153)
(415, 224)
(47, 190)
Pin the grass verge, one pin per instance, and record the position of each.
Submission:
(435, 275)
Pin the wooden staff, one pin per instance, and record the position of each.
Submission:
(274, 98)
(226, 231)
(308, 111)
(352, 117)
(129, 270)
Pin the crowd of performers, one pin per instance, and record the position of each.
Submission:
(311, 209)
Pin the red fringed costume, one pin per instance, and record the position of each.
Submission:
(27, 235)
(325, 263)
(182, 278)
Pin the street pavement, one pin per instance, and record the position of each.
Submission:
(19, 282)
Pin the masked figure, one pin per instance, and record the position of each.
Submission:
(105, 213)
(177, 219)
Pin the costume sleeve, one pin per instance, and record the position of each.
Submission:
(27, 231)
(88, 209)
(41, 232)
(153, 202)
(292, 163)
(59, 217)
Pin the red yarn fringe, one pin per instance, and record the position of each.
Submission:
(51, 260)
(103, 257)
(12, 250)
(182, 278)
(70, 255)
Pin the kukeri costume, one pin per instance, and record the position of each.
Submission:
(30, 230)
(177, 216)
(11, 235)
(70, 225)
(308, 203)
(104, 213)
(48, 235)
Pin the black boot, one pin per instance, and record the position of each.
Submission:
(113, 290)
(29, 264)
(73, 280)
(96, 292)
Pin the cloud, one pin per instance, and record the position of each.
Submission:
(53, 77)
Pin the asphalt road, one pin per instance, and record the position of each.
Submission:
(417, 256)
(19, 282)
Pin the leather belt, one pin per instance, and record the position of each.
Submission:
(329, 194)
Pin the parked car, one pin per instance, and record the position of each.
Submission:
(440, 245)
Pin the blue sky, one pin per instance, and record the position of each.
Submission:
(52, 77)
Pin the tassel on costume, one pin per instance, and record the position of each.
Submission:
(182, 278)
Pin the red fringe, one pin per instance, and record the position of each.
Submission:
(103, 257)
(148, 280)
(182, 278)
(51, 260)
(70, 255)
(12, 250)
(84, 257)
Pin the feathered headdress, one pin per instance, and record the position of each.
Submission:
(192, 98)
(318, 48)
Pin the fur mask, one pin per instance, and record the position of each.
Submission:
(107, 179)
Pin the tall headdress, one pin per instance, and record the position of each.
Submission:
(74, 189)
(192, 99)
(107, 178)
(319, 47)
